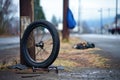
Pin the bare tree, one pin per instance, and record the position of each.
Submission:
(6, 9)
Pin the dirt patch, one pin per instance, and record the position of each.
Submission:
(6, 35)
(9, 57)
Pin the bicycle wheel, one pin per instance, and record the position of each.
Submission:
(43, 38)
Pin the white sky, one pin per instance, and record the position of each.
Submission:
(16, 2)
(89, 8)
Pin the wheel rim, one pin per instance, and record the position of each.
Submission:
(41, 42)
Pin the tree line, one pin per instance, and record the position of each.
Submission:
(7, 18)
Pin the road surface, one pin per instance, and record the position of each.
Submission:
(9, 42)
(108, 43)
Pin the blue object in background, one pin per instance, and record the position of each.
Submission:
(70, 19)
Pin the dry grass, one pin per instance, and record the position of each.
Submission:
(5, 63)
(9, 57)
(70, 57)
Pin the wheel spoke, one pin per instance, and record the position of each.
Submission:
(43, 44)
(38, 47)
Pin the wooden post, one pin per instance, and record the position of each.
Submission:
(26, 17)
(65, 32)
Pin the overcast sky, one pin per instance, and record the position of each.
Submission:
(89, 8)
(16, 2)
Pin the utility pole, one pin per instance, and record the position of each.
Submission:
(65, 32)
(26, 17)
(101, 21)
(108, 12)
(79, 15)
(116, 13)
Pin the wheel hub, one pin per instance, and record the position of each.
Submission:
(40, 44)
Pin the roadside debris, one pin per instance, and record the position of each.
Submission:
(18, 66)
(84, 45)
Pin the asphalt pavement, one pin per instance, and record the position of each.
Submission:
(78, 74)
(9, 42)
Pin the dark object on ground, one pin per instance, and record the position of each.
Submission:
(114, 30)
(18, 66)
(84, 45)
